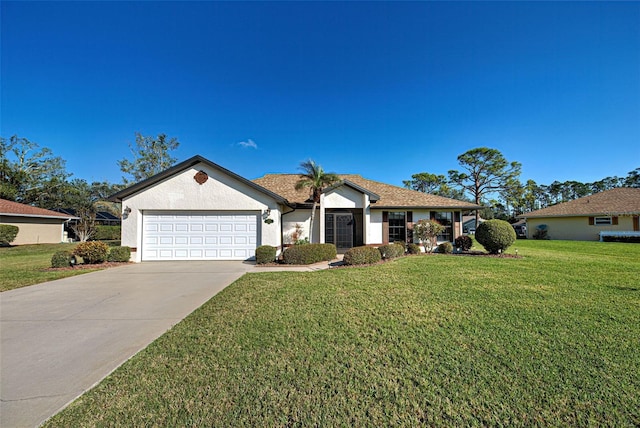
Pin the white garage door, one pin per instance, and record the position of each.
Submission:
(199, 235)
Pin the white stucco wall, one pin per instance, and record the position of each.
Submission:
(181, 192)
(342, 197)
(301, 217)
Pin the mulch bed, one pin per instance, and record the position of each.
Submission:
(104, 265)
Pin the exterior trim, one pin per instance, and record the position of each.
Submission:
(138, 187)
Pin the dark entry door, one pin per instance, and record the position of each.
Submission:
(343, 231)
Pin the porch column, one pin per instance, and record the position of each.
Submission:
(321, 219)
(366, 218)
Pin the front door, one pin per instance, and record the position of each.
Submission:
(339, 230)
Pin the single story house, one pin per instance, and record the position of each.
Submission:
(198, 210)
(469, 223)
(614, 211)
(103, 218)
(37, 225)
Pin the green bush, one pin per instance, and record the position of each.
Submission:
(92, 252)
(265, 254)
(495, 235)
(361, 256)
(464, 242)
(119, 254)
(61, 259)
(107, 233)
(445, 248)
(541, 232)
(391, 251)
(309, 253)
(413, 249)
(8, 233)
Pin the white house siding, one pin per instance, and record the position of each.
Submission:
(182, 193)
(301, 217)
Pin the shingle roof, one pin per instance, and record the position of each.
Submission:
(22, 210)
(390, 196)
(619, 201)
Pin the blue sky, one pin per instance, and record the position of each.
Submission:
(383, 89)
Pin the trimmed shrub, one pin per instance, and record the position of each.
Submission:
(119, 254)
(92, 252)
(265, 254)
(541, 232)
(61, 259)
(107, 233)
(495, 235)
(361, 256)
(413, 249)
(404, 244)
(308, 254)
(391, 251)
(445, 248)
(8, 233)
(464, 242)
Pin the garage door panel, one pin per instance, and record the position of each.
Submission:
(202, 236)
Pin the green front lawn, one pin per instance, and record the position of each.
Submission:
(28, 264)
(552, 338)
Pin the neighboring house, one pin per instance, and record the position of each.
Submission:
(37, 225)
(612, 211)
(469, 223)
(198, 210)
(103, 218)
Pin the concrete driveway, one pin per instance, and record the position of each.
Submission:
(60, 338)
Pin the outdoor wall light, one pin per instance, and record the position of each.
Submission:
(126, 212)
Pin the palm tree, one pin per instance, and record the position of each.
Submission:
(314, 177)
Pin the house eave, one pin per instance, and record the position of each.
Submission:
(594, 214)
(142, 185)
(40, 216)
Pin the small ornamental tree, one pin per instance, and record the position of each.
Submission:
(427, 231)
(495, 235)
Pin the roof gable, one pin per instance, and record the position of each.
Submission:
(388, 196)
(619, 201)
(178, 168)
(22, 210)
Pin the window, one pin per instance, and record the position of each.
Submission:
(397, 227)
(445, 219)
(602, 220)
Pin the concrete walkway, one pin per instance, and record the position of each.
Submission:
(60, 338)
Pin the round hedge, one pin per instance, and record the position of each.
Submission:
(361, 256)
(495, 235)
(265, 254)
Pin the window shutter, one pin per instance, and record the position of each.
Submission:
(590, 221)
(636, 223)
(410, 226)
(385, 227)
(614, 220)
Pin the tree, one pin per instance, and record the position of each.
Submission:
(425, 182)
(486, 171)
(434, 184)
(427, 232)
(314, 178)
(30, 174)
(150, 157)
(633, 178)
